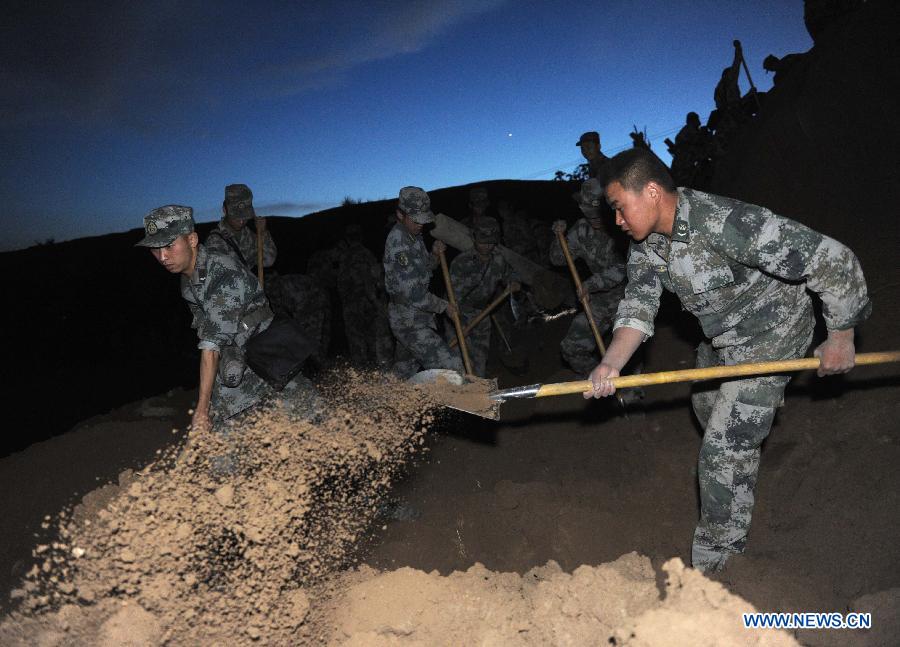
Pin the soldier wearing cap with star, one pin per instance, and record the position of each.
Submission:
(589, 241)
(745, 273)
(589, 143)
(237, 212)
(228, 308)
(407, 274)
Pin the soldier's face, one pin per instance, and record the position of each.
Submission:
(589, 149)
(409, 224)
(636, 212)
(592, 214)
(484, 249)
(178, 256)
(478, 207)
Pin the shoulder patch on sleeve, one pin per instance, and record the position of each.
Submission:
(400, 257)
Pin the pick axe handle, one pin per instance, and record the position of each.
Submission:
(481, 315)
(260, 235)
(711, 373)
(501, 333)
(749, 78)
(585, 302)
(451, 297)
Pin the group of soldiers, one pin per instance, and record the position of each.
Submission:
(697, 148)
(740, 269)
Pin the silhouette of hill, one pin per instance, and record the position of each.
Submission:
(94, 322)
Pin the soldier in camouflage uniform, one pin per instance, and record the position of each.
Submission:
(302, 298)
(228, 307)
(477, 276)
(407, 274)
(518, 234)
(479, 203)
(357, 286)
(743, 271)
(589, 143)
(237, 211)
(589, 241)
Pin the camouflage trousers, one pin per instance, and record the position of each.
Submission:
(736, 417)
(578, 347)
(418, 344)
(299, 399)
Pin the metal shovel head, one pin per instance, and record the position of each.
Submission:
(473, 396)
(432, 375)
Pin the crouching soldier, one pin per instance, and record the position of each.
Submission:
(228, 306)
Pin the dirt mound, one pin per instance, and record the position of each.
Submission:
(617, 603)
(216, 540)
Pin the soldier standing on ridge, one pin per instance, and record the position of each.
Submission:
(589, 241)
(407, 274)
(237, 211)
(743, 271)
(477, 276)
(589, 143)
(228, 306)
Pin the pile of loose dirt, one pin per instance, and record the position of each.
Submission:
(216, 541)
(616, 603)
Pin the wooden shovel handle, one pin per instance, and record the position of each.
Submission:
(481, 315)
(451, 297)
(711, 373)
(585, 302)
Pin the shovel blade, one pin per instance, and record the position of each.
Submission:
(468, 394)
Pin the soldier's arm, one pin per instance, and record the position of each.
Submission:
(463, 279)
(639, 306)
(226, 296)
(556, 253)
(611, 270)
(790, 250)
(403, 284)
(209, 364)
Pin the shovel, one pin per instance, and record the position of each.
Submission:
(468, 394)
(664, 377)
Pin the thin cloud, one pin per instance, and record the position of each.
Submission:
(392, 31)
(290, 208)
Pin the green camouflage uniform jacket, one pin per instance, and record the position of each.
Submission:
(228, 307)
(407, 274)
(597, 249)
(476, 282)
(742, 271)
(246, 242)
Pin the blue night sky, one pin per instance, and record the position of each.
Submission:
(108, 112)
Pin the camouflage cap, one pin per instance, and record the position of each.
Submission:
(239, 201)
(165, 224)
(591, 195)
(478, 195)
(416, 204)
(589, 136)
(486, 230)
